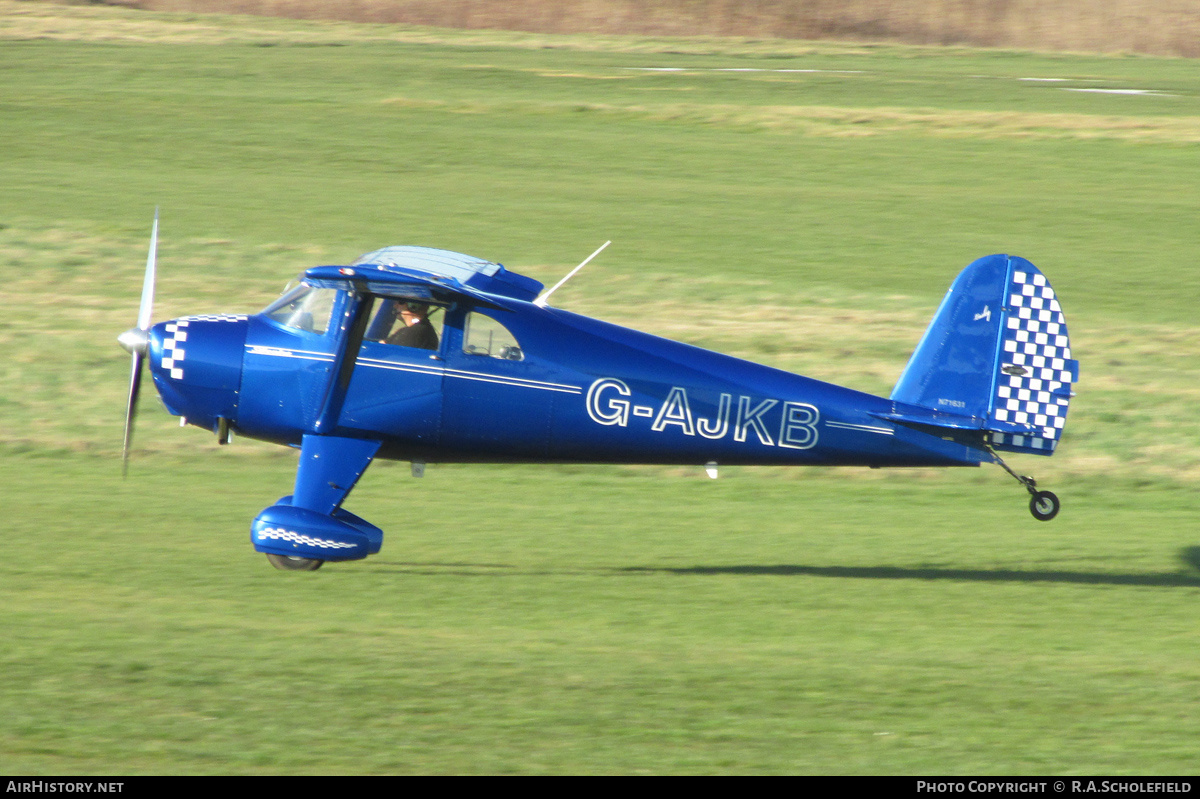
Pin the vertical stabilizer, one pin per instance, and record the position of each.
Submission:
(997, 351)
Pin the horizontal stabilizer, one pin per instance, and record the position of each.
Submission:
(963, 428)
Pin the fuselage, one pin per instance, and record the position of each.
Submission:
(565, 388)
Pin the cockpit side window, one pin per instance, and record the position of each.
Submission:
(303, 308)
(406, 323)
(484, 336)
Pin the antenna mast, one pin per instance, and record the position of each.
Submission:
(541, 301)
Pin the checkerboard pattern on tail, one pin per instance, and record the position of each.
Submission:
(1036, 371)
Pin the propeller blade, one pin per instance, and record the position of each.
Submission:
(136, 341)
(135, 384)
(148, 282)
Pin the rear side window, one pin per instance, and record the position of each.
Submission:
(485, 336)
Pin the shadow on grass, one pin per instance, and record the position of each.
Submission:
(1190, 556)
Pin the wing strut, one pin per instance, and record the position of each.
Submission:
(345, 358)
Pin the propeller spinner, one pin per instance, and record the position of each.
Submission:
(136, 341)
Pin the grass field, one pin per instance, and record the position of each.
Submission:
(596, 619)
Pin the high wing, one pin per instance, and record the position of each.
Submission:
(426, 274)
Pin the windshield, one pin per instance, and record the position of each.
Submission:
(303, 308)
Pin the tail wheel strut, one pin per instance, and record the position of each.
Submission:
(1044, 505)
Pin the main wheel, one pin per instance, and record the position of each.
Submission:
(289, 563)
(1044, 506)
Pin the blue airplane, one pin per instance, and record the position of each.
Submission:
(426, 355)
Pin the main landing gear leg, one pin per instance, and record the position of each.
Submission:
(1043, 505)
(302, 531)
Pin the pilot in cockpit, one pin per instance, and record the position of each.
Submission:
(414, 328)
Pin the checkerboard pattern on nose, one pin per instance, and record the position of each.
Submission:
(174, 352)
(214, 317)
(173, 349)
(1033, 386)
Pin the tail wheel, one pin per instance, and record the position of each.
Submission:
(289, 563)
(1044, 505)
